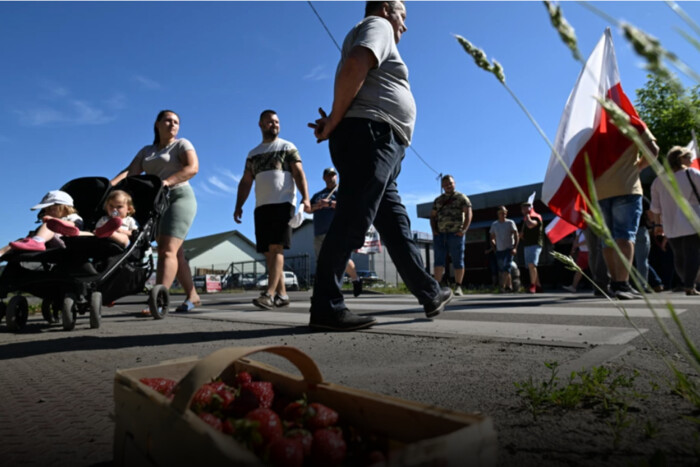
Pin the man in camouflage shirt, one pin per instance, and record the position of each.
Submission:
(275, 167)
(450, 219)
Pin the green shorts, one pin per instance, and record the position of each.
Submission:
(177, 219)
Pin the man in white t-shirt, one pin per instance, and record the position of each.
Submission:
(275, 167)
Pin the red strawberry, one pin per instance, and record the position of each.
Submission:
(294, 412)
(213, 397)
(164, 386)
(243, 377)
(228, 426)
(320, 416)
(304, 436)
(285, 452)
(269, 426)
(213, 420)
(328, 448)
(253, 395)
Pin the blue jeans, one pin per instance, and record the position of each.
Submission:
(503, 259)
(451, 243)
(368, 158)
(621, 214)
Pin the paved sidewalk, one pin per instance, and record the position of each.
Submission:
(56, 394)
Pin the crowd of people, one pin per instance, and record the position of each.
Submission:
(370, 124)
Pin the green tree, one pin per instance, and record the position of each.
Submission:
(669, 115)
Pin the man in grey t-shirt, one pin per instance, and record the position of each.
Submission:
(369, 127)
(504, 238)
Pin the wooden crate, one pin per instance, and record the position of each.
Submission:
(153, 431)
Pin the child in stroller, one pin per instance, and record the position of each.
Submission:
(89, 271)
(117, 225)
(56, 205)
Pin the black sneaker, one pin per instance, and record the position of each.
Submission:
(344, 320)
(264, 301)
(280, 302)
(357, 287)
(435, 307)
(625, 292)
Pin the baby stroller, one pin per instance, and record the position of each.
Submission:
(89, 271)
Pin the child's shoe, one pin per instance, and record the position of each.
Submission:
(109, 227)
(62, 227)
(28, 244)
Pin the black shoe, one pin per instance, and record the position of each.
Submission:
(357, 287)
(344, 320)
(435, 307)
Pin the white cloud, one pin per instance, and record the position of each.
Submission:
(116, 102)
(218, 183)
(318, 73)
(67, 112)
(231, 175)
(204, 187)
(414, 199)
(146, 82)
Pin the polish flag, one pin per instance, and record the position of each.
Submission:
(558, 229)
(584, 129)
(693, 147)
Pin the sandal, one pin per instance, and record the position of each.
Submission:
(187, 306)
(108, 228)
(62, 227)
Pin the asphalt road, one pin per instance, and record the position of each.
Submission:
(56, 396)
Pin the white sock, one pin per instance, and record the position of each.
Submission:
(39, 239)
(283, 297)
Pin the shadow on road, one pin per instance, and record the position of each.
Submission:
(86, 343)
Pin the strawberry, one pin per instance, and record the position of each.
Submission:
(285, 452)
(228, 426)
(211, 419)
(313, 416)
(253, 395)
(304, 436)
(243, 377)
(328, 448)
(164, 386)
(269, 427)
(294, 412)
(320, 416)
(213, 397)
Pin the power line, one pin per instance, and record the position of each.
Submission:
(330, 34)
(324, 26)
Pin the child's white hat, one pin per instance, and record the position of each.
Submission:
(54, 197)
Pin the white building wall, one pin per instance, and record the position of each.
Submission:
(229, 251)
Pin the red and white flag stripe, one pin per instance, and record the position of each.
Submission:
(558, 229)
(584, 129)
(693, 146)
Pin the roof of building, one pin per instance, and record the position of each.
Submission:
(491, 199)
(196, 246)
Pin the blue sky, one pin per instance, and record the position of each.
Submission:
(83, 81)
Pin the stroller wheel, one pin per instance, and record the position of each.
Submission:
(3, 309)
(17, 313)
(158, 301)
(95, 309)
(68, 314)
(47, 311)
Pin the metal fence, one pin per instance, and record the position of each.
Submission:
(245, 274)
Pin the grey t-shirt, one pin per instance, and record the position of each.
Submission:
(385, 95)
(504, 234)
(164, 162)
